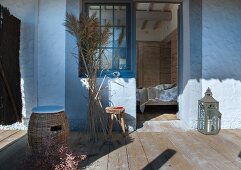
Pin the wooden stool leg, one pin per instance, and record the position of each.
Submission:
(111, 119)
(122, 122)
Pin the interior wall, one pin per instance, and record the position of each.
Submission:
(25, 11)
(167, 27)
(147, 34)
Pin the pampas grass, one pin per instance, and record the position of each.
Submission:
(89, 37)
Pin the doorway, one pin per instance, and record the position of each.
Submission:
(157, 37)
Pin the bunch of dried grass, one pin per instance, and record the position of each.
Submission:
(89, 37)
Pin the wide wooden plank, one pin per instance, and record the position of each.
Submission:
(1, 131)
(136, 155)
(227, 149)
(199, 153)
(11, 139)
(230, 136)
(6, 134)
(158, 157)
(178, 161)
(11, 157)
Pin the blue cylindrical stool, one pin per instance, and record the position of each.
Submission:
(47, 122)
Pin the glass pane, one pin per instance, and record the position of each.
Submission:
(106, 59)
(94, 10)
(120, 16)
(106, 15)
(120, 36)
(110, 40)
(120, 58)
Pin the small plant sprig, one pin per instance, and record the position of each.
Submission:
(52, 156)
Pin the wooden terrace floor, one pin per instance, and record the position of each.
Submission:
(166, 147)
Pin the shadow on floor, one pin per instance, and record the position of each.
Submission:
(158, 162)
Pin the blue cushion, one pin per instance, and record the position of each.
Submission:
(48, 109)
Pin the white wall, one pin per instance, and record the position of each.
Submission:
(25, 11)
(51, 52)
(122, 92)
(222, 57)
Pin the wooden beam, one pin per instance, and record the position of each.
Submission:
(144, 24)
(150, 6)
(167, 7)
(157, 24)
(153, 16)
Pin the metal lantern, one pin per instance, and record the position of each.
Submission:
(209, 117)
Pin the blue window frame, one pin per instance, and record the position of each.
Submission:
(117, 52)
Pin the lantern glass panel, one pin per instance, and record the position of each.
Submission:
(209, 118)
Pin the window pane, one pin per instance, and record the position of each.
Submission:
(110, 40)
(106, 15)
(94, 10)
(120, 16)
(106, 59)
(120, 58)
(120, 37)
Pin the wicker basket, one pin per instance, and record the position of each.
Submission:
(43, 125)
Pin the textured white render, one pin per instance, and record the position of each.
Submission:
(122, 92)
(51, 52)
(25, 11)
(221, 59)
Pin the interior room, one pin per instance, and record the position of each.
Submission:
(157, 61)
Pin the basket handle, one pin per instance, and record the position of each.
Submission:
(56, 128)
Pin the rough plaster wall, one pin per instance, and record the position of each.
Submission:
(25, 11)
(192, 57)
(124, 96)
(51, 52)
(183, 99)
(221, 57)
(76, 96)
(167, 27)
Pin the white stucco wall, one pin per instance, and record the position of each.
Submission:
(51, 52)
(25, 11)
(122, 92)
(222, 57)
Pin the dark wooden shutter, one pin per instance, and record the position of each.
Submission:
(10, 86)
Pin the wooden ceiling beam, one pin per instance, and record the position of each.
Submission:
(150, 6)
(153, 16)
(167, 7)
(157, 25)
(144, 24)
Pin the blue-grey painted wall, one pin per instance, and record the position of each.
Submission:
(221, 60)
(51, 52)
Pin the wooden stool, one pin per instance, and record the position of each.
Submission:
(117, 112)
